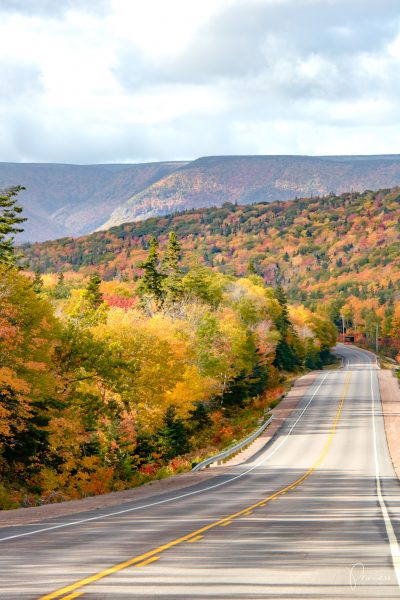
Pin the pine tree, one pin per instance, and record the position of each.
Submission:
(61, 290)
(172, 284)
(93, 294)
(37, 283)
(151, 282)
(173, 438)
(251, 268)
(9, 219)
(283, 322)
(286, 358)
(199, 417)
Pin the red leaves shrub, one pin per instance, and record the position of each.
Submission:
(119, 301)
(148, 469)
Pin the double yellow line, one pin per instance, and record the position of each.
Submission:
(153, 555)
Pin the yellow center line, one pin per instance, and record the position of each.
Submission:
(195, 539)
(148, 561)
(142, 558)
(72, 596)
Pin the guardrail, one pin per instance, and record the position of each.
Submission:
(391, 360)
(219, 458)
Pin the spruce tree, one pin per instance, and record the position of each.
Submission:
(92, 292)
(199, 417)
(37, 283)
(173, 437)
(9, 220)
(283, 322)
(172, 284)
(286, 358)
(151, 282)
(61, 290)
(251, 268)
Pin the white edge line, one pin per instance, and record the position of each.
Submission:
(393, 544)
(211, 487)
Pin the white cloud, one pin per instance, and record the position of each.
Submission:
(127, 80)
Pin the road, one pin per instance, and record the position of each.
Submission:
(314, 514)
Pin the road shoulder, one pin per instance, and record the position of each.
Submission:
(280, 413)
(390, 398)
(23, 516)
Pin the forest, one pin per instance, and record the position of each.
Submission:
(342, 252)
(107, 382)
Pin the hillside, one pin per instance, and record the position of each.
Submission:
(75, 199)
(330, 247)
(211, 181)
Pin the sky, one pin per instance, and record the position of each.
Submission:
(103, 81)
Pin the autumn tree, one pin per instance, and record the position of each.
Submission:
(10, 218)
(28, 335)
(86, 306)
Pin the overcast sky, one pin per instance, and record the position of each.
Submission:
(87, 81)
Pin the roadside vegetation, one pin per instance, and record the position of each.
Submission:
(107, 384)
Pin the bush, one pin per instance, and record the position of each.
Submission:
(7, 501)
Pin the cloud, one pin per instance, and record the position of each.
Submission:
(51, 8)
(253, 37)
(126, 80)
(19, 79)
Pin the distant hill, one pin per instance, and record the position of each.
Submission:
(334, 246)
(73, 200)
(211, 181)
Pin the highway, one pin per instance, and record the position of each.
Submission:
(315, 514)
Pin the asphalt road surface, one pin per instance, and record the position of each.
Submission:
(315, 514)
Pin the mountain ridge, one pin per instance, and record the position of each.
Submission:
(63, 200)
(212, 180)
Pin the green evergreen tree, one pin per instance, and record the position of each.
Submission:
(9, 220)
(92, 292)
(173, 437)
(286, 357)
(251, 268)
(151, 282)
(37, 283)
(61, 290)
(172, 281)
(283, 322)
(199, 417)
